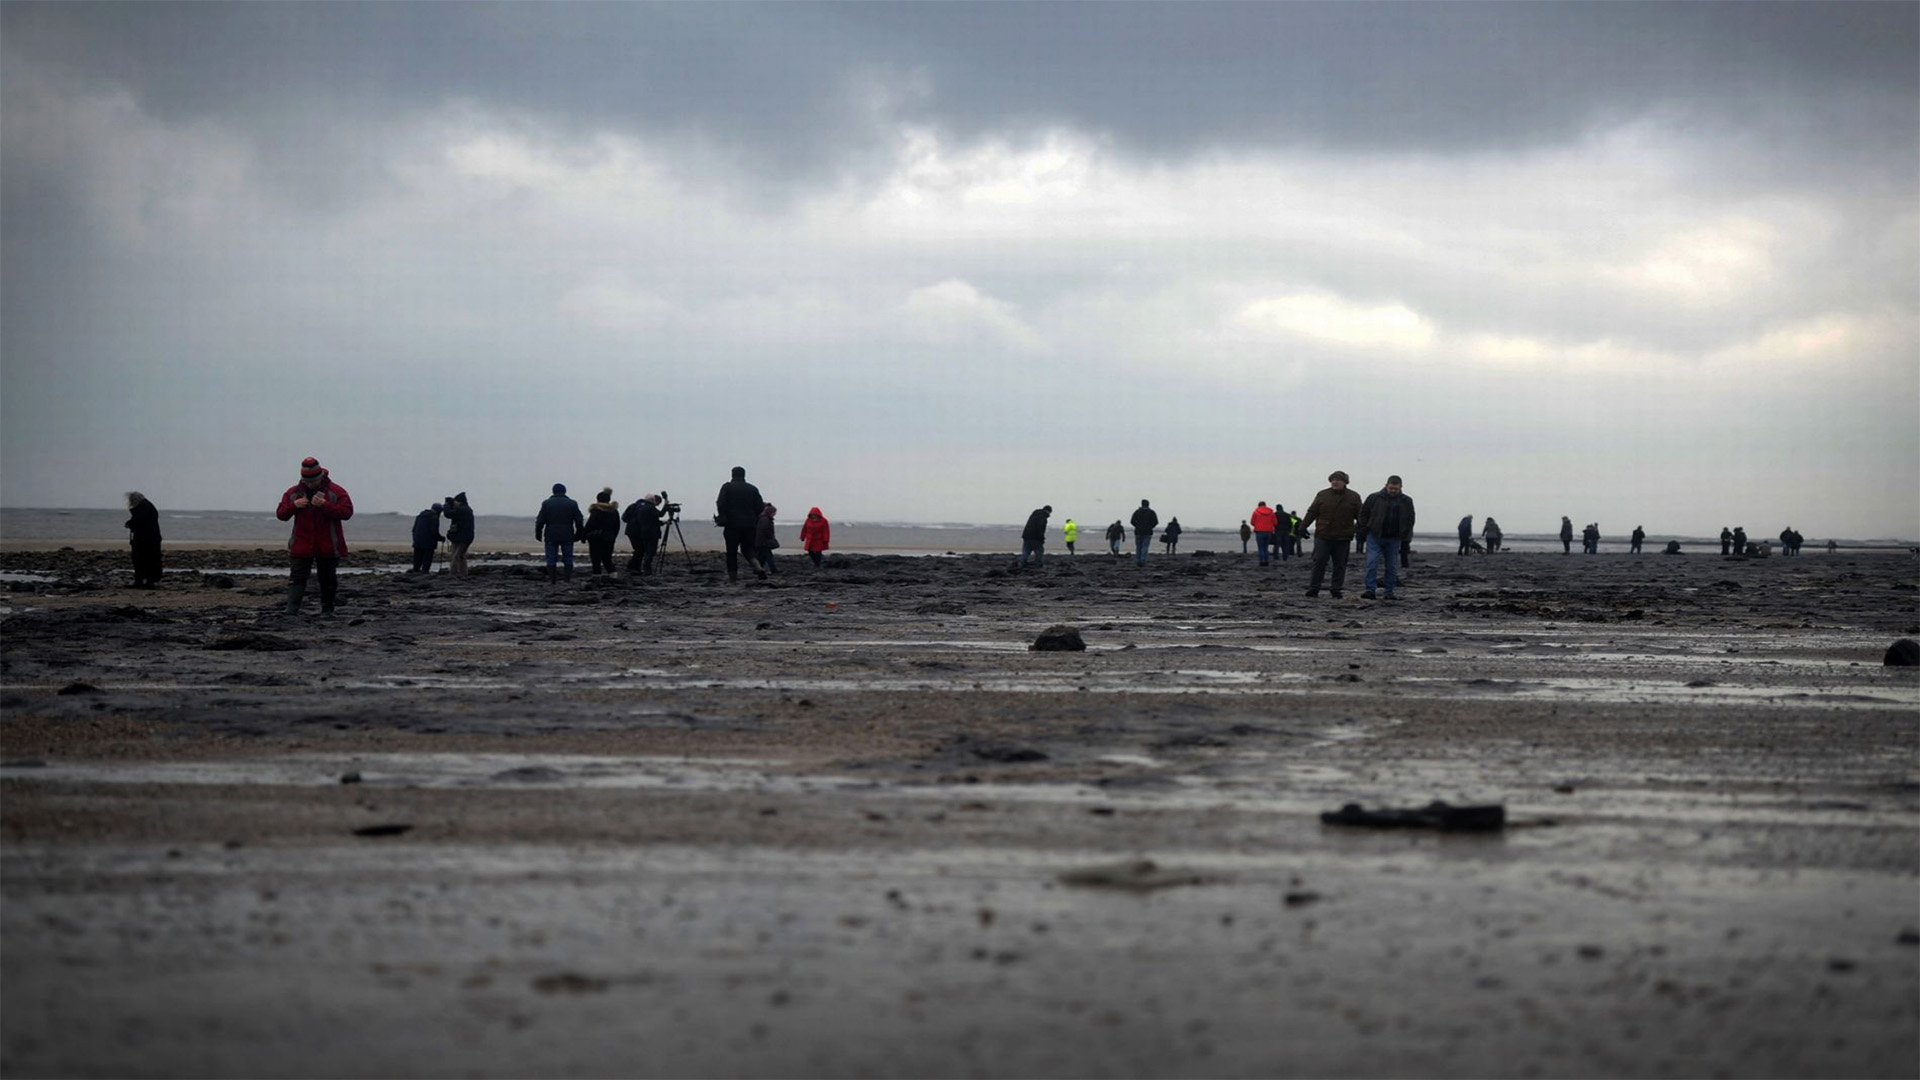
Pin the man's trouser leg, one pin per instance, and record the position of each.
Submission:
(1141, 542)
(1263, 541)
(457, 560)
(1340, 554)
(297, 587)
(326, 566)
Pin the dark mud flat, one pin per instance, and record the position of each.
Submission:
(845, 823)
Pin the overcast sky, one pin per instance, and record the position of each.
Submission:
(1648, 264)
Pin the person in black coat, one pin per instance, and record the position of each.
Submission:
(737, 512)
(459, 533)
(1033, 538)
(602, 531)
(643, 532)
(1171, 535)
(1144, 521)
(426, 538)
(143, 523)
(559, 525)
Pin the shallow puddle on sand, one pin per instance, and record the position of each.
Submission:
(1628, 689)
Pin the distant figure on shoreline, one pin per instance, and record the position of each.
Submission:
(1726, 540)
(1144, 522)
(426, 538)
(1739, 539)
(1492, 535)
(1832, 546)
(459, 534)
(558, 524)
(1171, 535)
(1266, 522)
(1566, 535)
(1639, 535)
(1246, 534)
(737, 511)
(1466, 535)
(1673, 548)
(1337, 511)
(814, 535)
(316, 506)
(143, 525)
(1297, 540)
(1590, 539)
(642, 520)
(1070, 532)
(1116, 533)
(1386, 520)
(602, 531)
(1033, 539)
(1286, 529)
(765, 539)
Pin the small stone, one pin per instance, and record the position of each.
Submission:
(1902, 653)
(1058, 639)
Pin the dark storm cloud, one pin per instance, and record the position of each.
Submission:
(777, 85)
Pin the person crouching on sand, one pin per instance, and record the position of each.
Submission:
(815, 534)
(316, 506)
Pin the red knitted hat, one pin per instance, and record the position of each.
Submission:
(310, 468)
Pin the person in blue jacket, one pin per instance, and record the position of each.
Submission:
(559, 524)
(426, 538)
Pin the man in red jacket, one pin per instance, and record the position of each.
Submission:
(1264, 522)
(316, 506)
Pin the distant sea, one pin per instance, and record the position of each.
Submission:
(34, 528)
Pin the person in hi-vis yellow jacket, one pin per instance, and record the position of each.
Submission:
(1072, 532)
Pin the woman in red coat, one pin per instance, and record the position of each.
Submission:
(813, 535)
(316, 506)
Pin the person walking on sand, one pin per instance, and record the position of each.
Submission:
(317, 506)
(1466, 535)
(1386, 519)
(1144, 522)
(602, 531)
(1246, 534)
(1490, 532)
(1171, 534)
(1337, 511)
(764, 538)
(1286, 531)
(559, 524)
(1033, 538)
(737, 511)
(1116, 533)
(1566, 535)
(642, 520)
(1072, 533)
(426, 538)
(143, 533)
(459, 534)
(815, 534)
(1639, 537)
(1266, 521)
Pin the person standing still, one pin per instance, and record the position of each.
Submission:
(1337, 510)
(737, 512)
(143, 525)
(1265, 524)
(559, 524)
(765, 539)
(1466, 535)
(459, 534)
(1246, 534)
(1172, 535)
(316, 506)
(643, 532)
(426, 538)
(1566, 535)
(602, 531)
(1144, 522)
(1387, 519)
(815, 535)
(1071, 532)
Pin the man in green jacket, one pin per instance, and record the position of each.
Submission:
(1337, 511)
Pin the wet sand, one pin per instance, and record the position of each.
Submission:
(839, 823)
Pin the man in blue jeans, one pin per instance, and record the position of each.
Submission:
(559, 525)
(1144, 522)
(1386, 520)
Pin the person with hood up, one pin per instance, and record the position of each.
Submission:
(1144, 522)
(316, 506)
(1171, 535)
(426, 538)
(602, 531)
(1033, 538)
(1386, 519)
(1265, 523)
(1337, 510)
(643, 532)
(815, 534)
(737, 511)
(1490, 532)
(459, 533)
(1116, 533)
(764, 538)
(1639, 537)
(558, 524)
(1072, 533)
(143, 525)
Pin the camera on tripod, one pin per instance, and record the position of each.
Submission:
(668, 506)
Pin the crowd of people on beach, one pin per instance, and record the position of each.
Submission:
(1380, 526)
